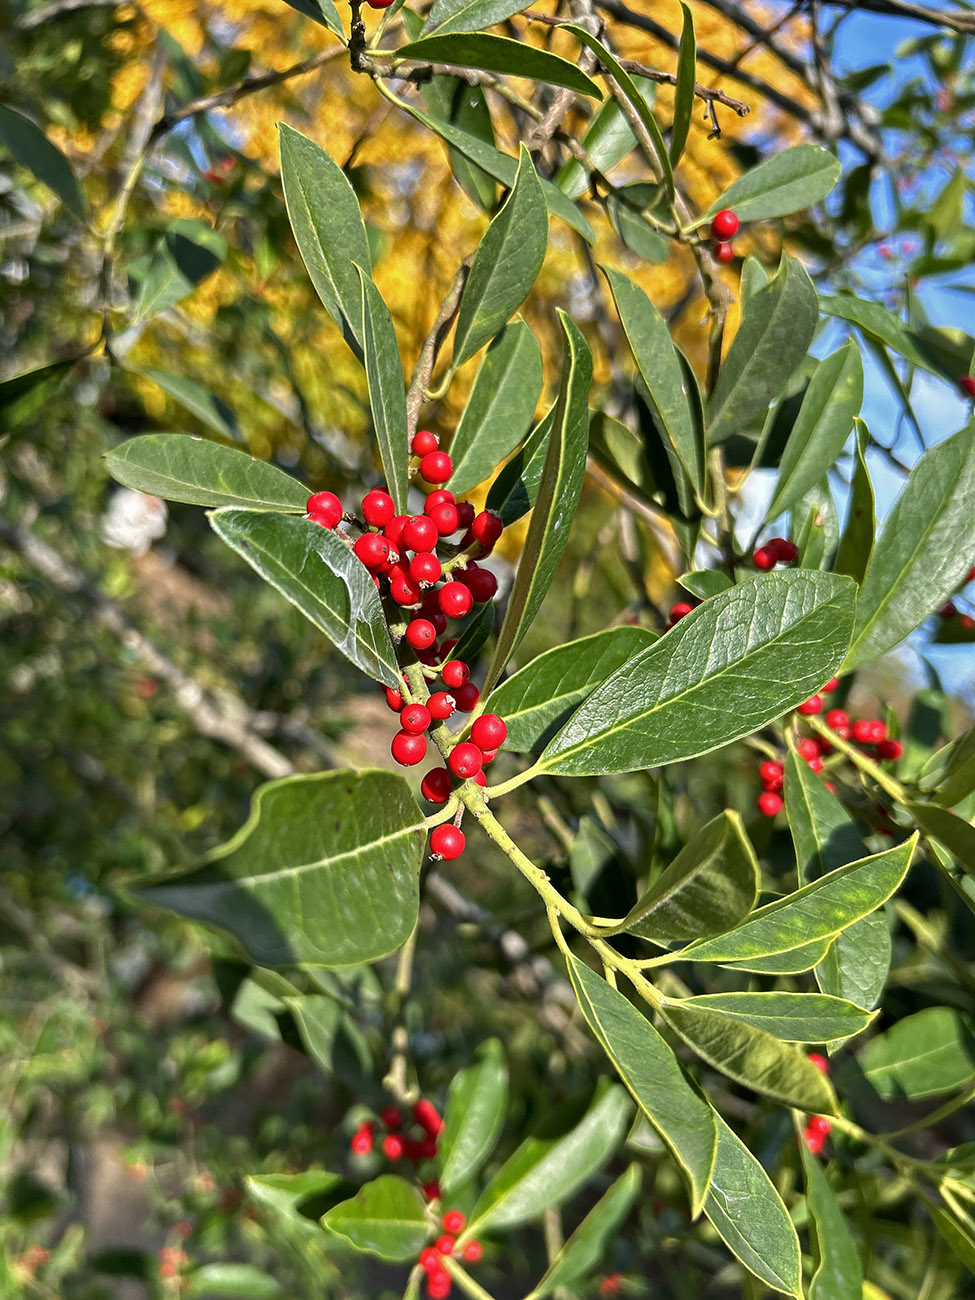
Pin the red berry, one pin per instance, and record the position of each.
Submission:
(487, 527)
(770, 770)
(324, 508)
(431, 1191)
(424, 442)
(361, 1143)
(445, 518)
(436, 785)
(482, 584)
(439, 620)
(393, 1147)
(724, 253)
(466, 697)
(439, 1285)
(425, 569)
(807, 748)
(379, 4)
(465, 760)
(725, 224)
(420, 533)
(764, 559)
(429, 1257)
(408, 749)
(455, 673)
(445, 1244)
(466, 512)
(868, 731)
(456, 600)
(831, 685)
(392, 1117)
(436, 498)
(454, 1222)
(415, 718)
(785, 552)
(436, 467)
(769, 803)
(427, 1149)
(836, 718)
(814, 1141)
(970, 576)
(488, 732)
(819, 1061)
(815, 764)
(446, 842)
(393, 532)
(378, 508)
(811, 707)
(473, 1252)
(441, 705)
(372, 549)
(427, 1116)
(403, 589)
(819, 1124)
(889, 749)
(394, 699)
(966, 623)
(967, 384)
(948, 609)
(679, 611)
(421, 634)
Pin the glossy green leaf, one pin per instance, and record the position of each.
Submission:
(236, 1281)
(824, 907)
(515, 489)
(478, 630)
(196, 399)
(304, 881)
(824, 833)
(455, 101)
(328, 227)
(32, 149)
(178, 467)
(751, 1056)
(499, 54)
(536, 700)
(608, 139)
(500, 408)
(772, 339)
(956, 834)
(331, 1037)
(705, 582)
(283, 1193)
(793, 1017)
(709, 887)
(386, 1218)
(956, 774)
(676, 1108)
(633, 228)
(506, 264)
(856, 543)
(925, 1054)
(858, 962)
(470, 15)
(959, 1236)
(319, 574)
(742, 658)
(387, 389)
(923, 552)
(620, 451)
(321, 11)
(838, 1274)
(658, 363)
(790, 962)
(564, 1151)
(184, 255)
(629, 88)
(684, 90)
(23, 395)
(790, 181)
(593, 1238)
(477, 1104)
(753, 278)
(747, 1212)
(881, 325)
(558, 494)
(822, 427)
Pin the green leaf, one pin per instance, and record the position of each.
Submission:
(320, 575)
(386, 1218)
(881, 325)
(23, 395)
(608, 139)
(626, 83)
(824, 833)
(956, 773)
(684, 90)
(659, 366)
(790, 962)
(303, 881)
(536, 700)
(387, 389)
(178, 467)
(925, 1054)
(477, 1103)
(742, 658)
(500, 408)
(705, 582)
(956, 834)
(193, 397)
(674, 1105)
(515, 489)
(793, 1017)
(789, 181)
(747, 1212)
(478, 630)
(771, 341)
(856, 544)
(186, 253)
(470, 15)
(328, 227)
(626, 217)
(593, 1237)
(923, 551)
(751, 1056)
(565, 1150)
(322, 11)
(506, 264)
(838, 1273)
(558, 495)
(283, 1193)
(822, 427)
(858, 961)
(331, 1037)
(31, 148)
(710, 886)
(226, 1278)
(960, 1237)
(456, 102)
(499, 54)
(824, 907)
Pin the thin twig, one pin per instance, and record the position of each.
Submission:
(427, 359)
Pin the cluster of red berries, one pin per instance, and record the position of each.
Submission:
(431, 1257)
(777, 550)
(724, 227)
(817, 1130)
(397, 1144)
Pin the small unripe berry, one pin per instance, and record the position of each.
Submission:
(420, 533)
(436, 467)
(473, 1252)
(764, 559)
(372, 549)
(421, 634)
(444, 518)
(488, 732)
(967, 384)
(425, 569)
(454, 1222)
(811, 707)
(446, 842)
(837, 718)
(724, 253)
(769, 803)
(393, 1147)
(424, 442)
(456, 600)
(487, 527)
(408, 749)
(482, 584)
(465, 759)
(725, 224)
(455, 673)
(441, 705)
(436, 785)
(466, 697)
(378, 508)
(415, 718)
(324, 508)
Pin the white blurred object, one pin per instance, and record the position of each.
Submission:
(133, 521)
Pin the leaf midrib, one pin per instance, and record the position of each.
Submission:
(286, 873)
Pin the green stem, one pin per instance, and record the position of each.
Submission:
(465, 1281)
(495, 791)
(936, 1116)
(866, 765)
